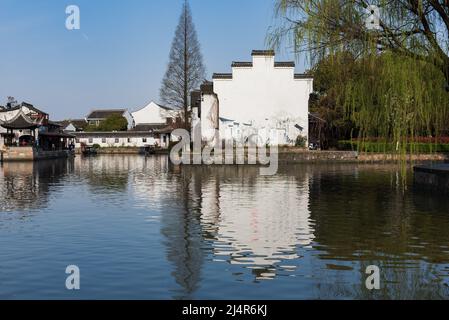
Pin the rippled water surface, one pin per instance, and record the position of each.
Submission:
(140, 229)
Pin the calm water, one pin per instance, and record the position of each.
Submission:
(138, 229)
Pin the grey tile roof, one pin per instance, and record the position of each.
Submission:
(222, 76)
(237, 64)
(149, 127)
(208, 86)
(31, 107)
(284, 64)
(27, 105)
(303, 76)
(78, 123)
(20, 121)
(263, 53)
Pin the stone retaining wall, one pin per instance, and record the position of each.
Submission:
(380, 157)
(18, 154)
(30, 154)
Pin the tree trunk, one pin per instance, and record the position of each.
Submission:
(186, 72)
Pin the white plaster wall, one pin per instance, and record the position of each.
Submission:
(151, 113)
(122, 142)
(209, 116)
(264, 95)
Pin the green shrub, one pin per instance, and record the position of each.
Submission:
(380, 147)
(301, 142)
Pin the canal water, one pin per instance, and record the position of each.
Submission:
(140, 229)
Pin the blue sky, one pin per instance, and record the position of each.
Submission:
(118, 58)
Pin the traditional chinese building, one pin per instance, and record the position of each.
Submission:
(26, 133)
(262, 97)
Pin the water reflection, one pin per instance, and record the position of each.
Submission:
(226, 232)
(368, 219)
(26, 186)
(257, 222)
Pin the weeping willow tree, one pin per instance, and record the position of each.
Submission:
(400, 49)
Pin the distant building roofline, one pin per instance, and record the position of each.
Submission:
(303, 76)
(222, 76)
(266, 53)
(242, 64)
(159, 105)
(108, 110)
(284, 64)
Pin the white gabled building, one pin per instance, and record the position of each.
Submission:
(262, 97)
(155, 114)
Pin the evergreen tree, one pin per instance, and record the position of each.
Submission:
(185, 69)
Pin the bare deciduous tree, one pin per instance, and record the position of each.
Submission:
(185, 69)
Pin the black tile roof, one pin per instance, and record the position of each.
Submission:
(237, 64)
(303, 76)
(103, 114)
(57, 135)
(77, 123)
(208, 86)
(31, 107)
(20, 121)
(226, 120)
(27, 105)
(263, 53)
(195, 99)
(222, 76)
(149, 127)
(54, 123)
(284, 64)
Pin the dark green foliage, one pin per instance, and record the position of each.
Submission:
(112, 123)
(384, 147)
(301, 142)
(390, 82)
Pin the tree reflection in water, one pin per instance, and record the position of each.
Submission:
(25, 186)
(226, 232)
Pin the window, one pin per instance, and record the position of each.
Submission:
(91, 140)
(103, 140)
(77, 140)
(117, 140)
(129, 140)
(144, 140)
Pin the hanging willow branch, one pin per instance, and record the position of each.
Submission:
(401, 88)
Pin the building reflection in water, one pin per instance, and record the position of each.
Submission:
(26, 186)
(319, 225)
(249, 220)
